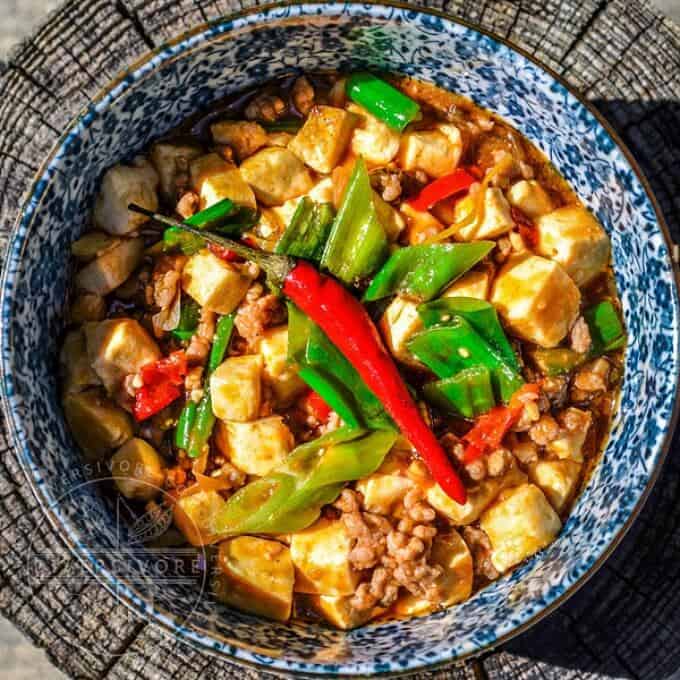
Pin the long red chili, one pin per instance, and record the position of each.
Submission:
(348, 325)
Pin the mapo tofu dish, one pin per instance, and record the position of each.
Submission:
(355, 335)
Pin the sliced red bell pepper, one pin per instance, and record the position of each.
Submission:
(162, 385)
(448, 185)
(172, 368)
(490, 429)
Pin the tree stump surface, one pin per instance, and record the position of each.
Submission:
(625, 623)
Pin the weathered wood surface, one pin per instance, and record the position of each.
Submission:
(626, 621)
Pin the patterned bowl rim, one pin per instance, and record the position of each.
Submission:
(119, 588)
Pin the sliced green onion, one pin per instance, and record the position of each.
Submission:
(185, 424)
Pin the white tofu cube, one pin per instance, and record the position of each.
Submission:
(170, 159)
(137, 470)
(496, 221)
(321, 192)
(321, 558)
(382, 492)
(122, 185)
(324, 138)
(245, 137)
(339, 612)
(570, 445)
(96, 423)
(280, 375)
(558, 479)
(205, 166)
(398, 324)
(435, 152)
(537, 299)
(451, 553)
(519, 524)
(375, 142)
(118, 348)
(236, 388)
(420, 225)
(215, 284)
(478, 498)
(573, 237)
(228, 184)
(474, 284)
(112, 268)
(255, 575)
(276, 175)
(257, 447)
(530, 197)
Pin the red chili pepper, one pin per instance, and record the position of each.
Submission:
(224, 253)
(490, 429)
(150, 399)
(459, 180)
(348, 325)
(317, 407)
(527, 229)
(172, 368)
(162, 381)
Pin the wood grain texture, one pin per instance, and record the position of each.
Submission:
(626, 621)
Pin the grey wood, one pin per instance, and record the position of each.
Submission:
(626, 621)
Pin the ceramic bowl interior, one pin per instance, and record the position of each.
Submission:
(187, 75)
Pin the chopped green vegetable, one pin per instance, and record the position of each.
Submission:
(307, 233)
(382, 100)
(557, 361)
(212, 216)
(481, 315)
(205, 418)
(420, 272)
(606, 329)
(174, 237)
(357, 244)
(331, 375)
(468, 393)
(185, 424)
(291, 497)
(188, 319)
(449, 349)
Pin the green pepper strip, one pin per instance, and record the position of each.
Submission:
(481, 315)
(186, 421)
(290, 498)
(205, 418)
(327, 372)
(307, 233)
(357, 244)
(448, 349)
(606, 329)
(382, 100)
(188, 319)
(420, 272)
(468, 393)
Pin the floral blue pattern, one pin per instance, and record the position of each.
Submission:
(186, 75)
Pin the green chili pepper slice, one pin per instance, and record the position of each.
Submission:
(357, 244)
(421, 272)
(448, 349)
(481, 315)
(221, 339)
(185, 424)
(468, 393)
(382, 100)
(606, 330)
(307, 233)
(188, 319)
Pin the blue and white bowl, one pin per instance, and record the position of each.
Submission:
(212, 61)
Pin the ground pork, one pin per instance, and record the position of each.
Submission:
(166, 292)
(480, 547)
(556, 389)
(257, 313)
(200, 342)
(593, 377)
(526, 452)
(188, 204)
(546, 430)
(580, 336)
